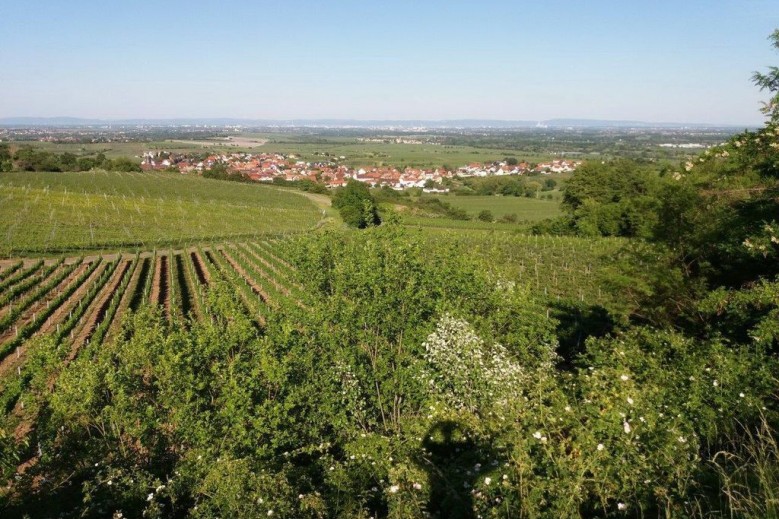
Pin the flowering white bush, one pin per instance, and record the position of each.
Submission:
(466, 372)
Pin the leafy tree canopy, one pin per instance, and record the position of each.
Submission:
(356, 205)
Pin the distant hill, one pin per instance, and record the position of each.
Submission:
(351, 123)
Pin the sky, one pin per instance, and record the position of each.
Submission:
(655, 61)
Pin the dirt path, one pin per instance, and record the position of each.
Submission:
(321, 201)
(203, 276)
(158, 280)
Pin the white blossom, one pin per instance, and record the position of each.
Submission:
(466, 371)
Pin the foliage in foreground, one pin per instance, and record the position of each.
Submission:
(413, 384)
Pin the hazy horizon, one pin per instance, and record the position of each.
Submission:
(660, 62)
(558, 123)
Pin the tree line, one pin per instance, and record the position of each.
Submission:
(27, 158)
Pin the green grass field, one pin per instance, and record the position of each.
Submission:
(526, 209)
(52, 213)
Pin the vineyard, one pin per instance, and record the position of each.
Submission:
(95, 211)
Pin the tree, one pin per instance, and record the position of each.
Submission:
(122, 164)
(770, 82)
(68, 162)
(613, 199)
(356, 205)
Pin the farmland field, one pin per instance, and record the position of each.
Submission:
(357, 153)
(400, 155)
(92, 211)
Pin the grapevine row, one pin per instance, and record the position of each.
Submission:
(25, 273)
(251, 298)
(78, 312)
(10, 317)
(279, 295)
(108, 310)
(282, 276)
(10, 270)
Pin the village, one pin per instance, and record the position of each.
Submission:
(268, 167)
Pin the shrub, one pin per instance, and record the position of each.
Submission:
(485, 215)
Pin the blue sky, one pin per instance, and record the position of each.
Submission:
(658, 61)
